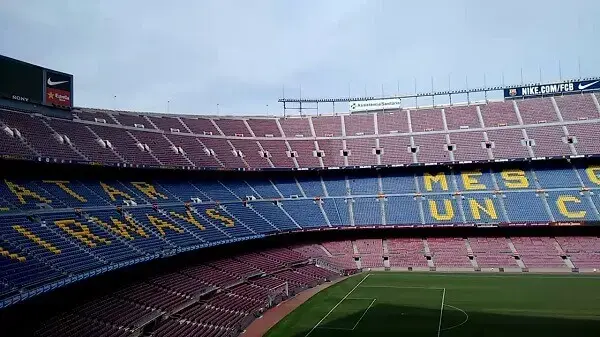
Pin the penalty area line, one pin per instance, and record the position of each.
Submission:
(401, 287)
(441, 313)
(337, 305)
(364, 313)
(333, 328)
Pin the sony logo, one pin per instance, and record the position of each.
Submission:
(20, 98)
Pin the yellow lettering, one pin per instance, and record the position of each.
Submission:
(121, 228)
(448, 214)
(189, 217)
(6, 253)
(149, 190)
(515, 178)
(161, 224)
(213, 213)
(112, 192)
(22, 192)
(36, 239)
(488, 209)
(63, 186)
(593, 173)
(81, 232)
(470, 181)
(562, 208)
(439, 178)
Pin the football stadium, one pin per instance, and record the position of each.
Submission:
(453, 212)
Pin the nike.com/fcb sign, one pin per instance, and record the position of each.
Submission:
(551, 89)
(375, 104)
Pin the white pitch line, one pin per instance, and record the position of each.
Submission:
(441, 313)
(457, 325)
(359, 298)
(364, 313)
(337, 305)
(399, 287)
(511, 275)
(334, 328)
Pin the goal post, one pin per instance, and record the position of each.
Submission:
(278, 294)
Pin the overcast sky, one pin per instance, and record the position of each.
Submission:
(240, 54)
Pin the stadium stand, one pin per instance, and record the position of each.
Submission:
(549, 127)
(56, 231)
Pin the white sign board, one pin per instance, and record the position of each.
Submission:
(375, 104)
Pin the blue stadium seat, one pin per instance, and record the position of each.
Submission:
(221, 220)
(436, 181)
(398, 183)
(264, 188)
(514, 179)
(525, 206)
(184, 190)
(336, 186)
(367, 211)
(52, 244)
(312, 186)
(195, 223)
(251, 218)
(72, 193)
(402, 210)
(27, 195)
(287, 187)
(360, 185)
(239, 188)
(474, 180)
(441, 209)
(20, 270)
(557, 177)
(337, 211)
(163, 227)
(118, 193)
(215, 191)
(482, 208)
(128, 229)
(306, 213)
(571, 206)
(275, 215)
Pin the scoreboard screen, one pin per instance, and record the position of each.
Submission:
(21, 81)
(29, 83)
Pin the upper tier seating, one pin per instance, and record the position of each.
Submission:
(377, 138)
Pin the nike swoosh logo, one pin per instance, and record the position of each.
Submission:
(50, 82)
(583, 87)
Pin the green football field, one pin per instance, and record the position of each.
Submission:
(450, 305)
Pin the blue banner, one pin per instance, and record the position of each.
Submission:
(552, 89)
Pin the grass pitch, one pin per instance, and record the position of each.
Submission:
(450, 305)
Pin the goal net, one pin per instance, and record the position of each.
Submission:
(278, 294)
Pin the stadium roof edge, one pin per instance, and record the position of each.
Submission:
(341, 100)
(426, 94)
